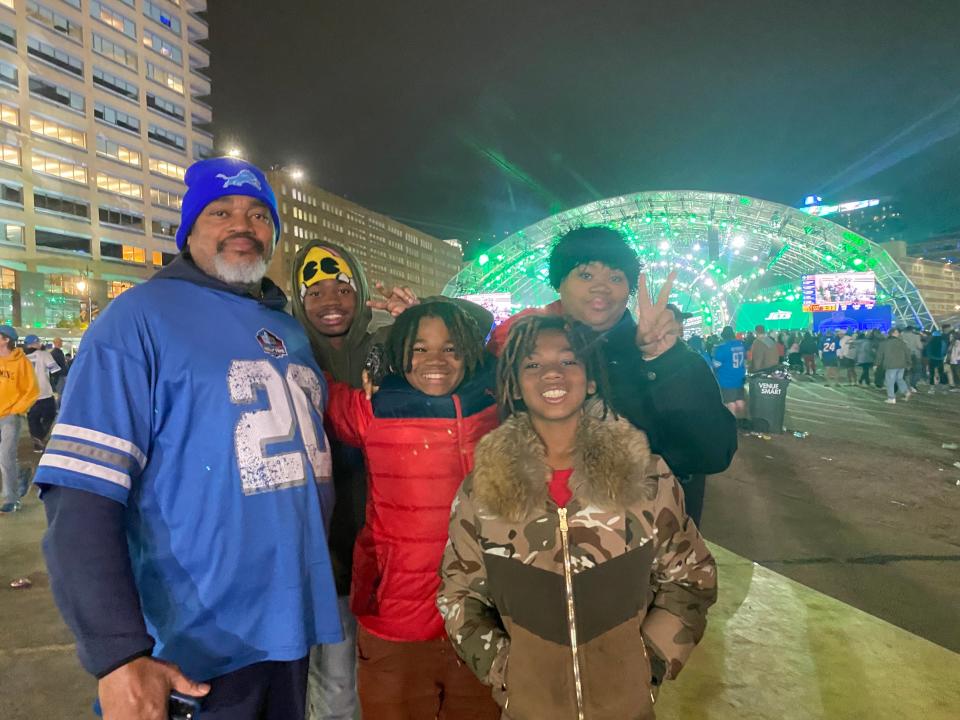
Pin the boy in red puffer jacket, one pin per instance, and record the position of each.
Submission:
(417, 434)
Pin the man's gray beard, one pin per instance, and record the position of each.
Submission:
(239, 273)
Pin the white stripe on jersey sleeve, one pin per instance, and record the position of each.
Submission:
(82, 433)
(86, 468)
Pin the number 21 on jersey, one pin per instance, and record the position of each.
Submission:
(289, 400)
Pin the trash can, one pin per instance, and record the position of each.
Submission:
(767, 403)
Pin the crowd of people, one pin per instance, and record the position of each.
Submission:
(899, 361)
(31, 377)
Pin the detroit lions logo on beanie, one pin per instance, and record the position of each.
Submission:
(244, 177)
(215, 178)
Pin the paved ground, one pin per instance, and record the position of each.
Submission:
(864, 509)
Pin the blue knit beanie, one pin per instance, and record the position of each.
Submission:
(214, 178)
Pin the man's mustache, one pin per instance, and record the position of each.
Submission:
(260, 247)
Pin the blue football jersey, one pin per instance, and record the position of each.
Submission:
(730, 364)
(202, 412)
(829, 346)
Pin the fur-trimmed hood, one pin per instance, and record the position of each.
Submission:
(610, 468)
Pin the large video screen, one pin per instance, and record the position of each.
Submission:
(500, 304)
(839, 291)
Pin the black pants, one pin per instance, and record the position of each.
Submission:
(694, 487)
(41, 416)
(264, 691)
(864, 374)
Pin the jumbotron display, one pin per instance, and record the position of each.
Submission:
(839, 291)
(727, 249)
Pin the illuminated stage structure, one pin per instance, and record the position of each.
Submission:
(727, 249)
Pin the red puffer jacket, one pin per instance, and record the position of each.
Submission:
(418, 449)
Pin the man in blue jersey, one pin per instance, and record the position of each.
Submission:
(187, 481)
(829, 346)
(730, 366)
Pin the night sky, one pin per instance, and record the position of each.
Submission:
(470, 119)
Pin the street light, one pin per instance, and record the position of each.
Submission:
(234, 152)
(296, 174)
(83, 286)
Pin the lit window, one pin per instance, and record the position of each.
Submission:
(52, 130)
(115, 151)
(9, 115)
(134, 254)
(167, 169)
(165, 198)
(161, 46)
(170, 80)
(10, 154)
(115, 287)
(120, 186)
(116, 53)
(156, 13)
(60, 168)
(118, 22)
(11, 233)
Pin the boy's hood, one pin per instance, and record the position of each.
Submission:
(345, 364)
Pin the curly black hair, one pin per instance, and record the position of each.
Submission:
(464, 333)
(521, 343)
(585, 245)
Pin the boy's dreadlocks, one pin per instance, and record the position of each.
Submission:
(463, 329)
(521, 343)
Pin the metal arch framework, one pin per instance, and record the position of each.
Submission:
(758, 244)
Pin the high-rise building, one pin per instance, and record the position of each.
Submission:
(881, 223)
(937, 282)
(99, 118)
(876, 219)
(389, 251)
(944, 247)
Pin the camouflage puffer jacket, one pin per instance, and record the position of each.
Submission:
(570, 613)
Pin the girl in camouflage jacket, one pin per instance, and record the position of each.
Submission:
(573, 582)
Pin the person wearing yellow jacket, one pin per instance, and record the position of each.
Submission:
(18, 391)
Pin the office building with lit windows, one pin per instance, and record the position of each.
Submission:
(389, 251)
(99, 118)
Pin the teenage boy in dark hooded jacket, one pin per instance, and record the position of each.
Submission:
(330, 299)
(330, 294)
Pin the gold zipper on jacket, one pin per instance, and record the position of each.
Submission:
(571, 611)
(646, 656)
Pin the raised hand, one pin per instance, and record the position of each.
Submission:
(395, 301)
(368, 387)
(657, 328)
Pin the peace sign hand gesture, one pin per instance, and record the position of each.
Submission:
(395, 301)
(657, 328)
